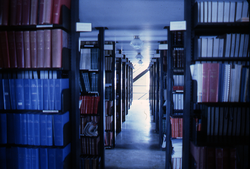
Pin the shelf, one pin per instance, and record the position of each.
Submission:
(90, 70)
(221, 59)
(224, 104)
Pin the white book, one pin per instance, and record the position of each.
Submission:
(228, 45)
(196, 73)
(204, 47)
(220, 11)
(221, 47)
(226, 11)
(85, 59)
(232, 85)
(245, 9)
(216, 47)
(209, 11)
(199, 47)
(210, 47)
(232, 12)
(246, 85)
(226, 82)
(232, 45)
(242, 36)
(201, 12)
(214, 11)
(237, 45)
(205, 11)
(238, 11)
(245, 48)
(237, 80)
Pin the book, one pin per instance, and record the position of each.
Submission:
(213, 82)
(20, 48)
(27, 93)
(5, 48)
(12, 93)
(46, 93)
(31, 131)
(20, 94)
(42, 9)
(24, 129)
(47, 49)
(26, 12)
(43, 160)
(33, 49)
(37, 133)
(33, 12)
(49, 129)
(61, 155)
(3, 129)
(40, 48)
(34, 94)
(232, 12)
(12, 49)
(43, 130)
(26, 48)
(3, 153)
(61, 129)
(48, 11)
(239, 7)
(60, 85)
(4, 13)
(57, 8)
(13, 13)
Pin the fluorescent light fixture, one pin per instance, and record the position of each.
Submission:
(163, 46)
(83, 27)
(178, 26)
(139, 56)
(136, 42)
(140, 62)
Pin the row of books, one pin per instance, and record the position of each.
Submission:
(178, 37)
(178, 80)
(108, 122)
(229, 45)
(108, 93)
(32, 94)
(108, 107)
(176, 163)
(109, 77)
(178, 58)
(90, 145)
(108, 139)
(33, 12)
(34, 158)
(90, 162)
(220, 157)
(176, 127)
(33, 49)
(108, 62)
(178, 101)
(221, 82)
(88, 119)
(88, 82)
(34, 129)
(176, 148)
(228, 121)
(89, 104)
(89, 58)
(219, 11)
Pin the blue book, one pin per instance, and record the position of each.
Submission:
(37, 129)
(242, 84)
(46, 94)
(30, 118)
(35, 158)
(61, 154)
(17, 128)
(43, 130)
(59, 126)
(221, 82)
(28, 160)
(60, 85)
(6, 94)
(44, 159)
(1, 94)
(52, 158)
(27, 94)
(22, 152)
(3, 160)
(52, 94)
(40, 94)
(49, 130)
(3, 128)
(10, 128)
(12, 93)
(20, 94)
(34, 94)
(24, 128)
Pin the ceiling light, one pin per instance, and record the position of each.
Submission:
(139, 56)
(140, 62)
(136, 42)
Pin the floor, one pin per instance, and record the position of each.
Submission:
(137, 145)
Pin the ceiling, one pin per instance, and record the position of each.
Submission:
(126, 18)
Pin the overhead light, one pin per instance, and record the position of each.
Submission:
(139, 56)
(136, 42)
(140, 62)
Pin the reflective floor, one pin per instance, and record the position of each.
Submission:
(137, 145)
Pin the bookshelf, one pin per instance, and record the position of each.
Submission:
(118, 95)
(35, 108)
(124, 93)
(207, 130)
(110, 95)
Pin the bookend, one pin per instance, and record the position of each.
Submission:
(65, 59)
(64, 99)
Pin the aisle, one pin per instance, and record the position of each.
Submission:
(137, 144)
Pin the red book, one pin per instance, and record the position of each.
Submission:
(59, 41)
(180, 127)
(48, 11)
(213, 82)
(42, 12)
(19, 7)
(178, 88)
(92, 100)
(33, 49)
(40, 48)
(5, 12)
(57, 6)
(210, 158)
(33, 12)
(203, 157)
(20, 49)
(97, 99)
(176, 127)
(222, 158)
(205, 82)
(13, 12)
(26, 12)
(233, 163)
(26, 41)
(12, 49)
(5, 49)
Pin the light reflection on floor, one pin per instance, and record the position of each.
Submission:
(137, 145)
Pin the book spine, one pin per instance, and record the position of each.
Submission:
(27, 94)
(33, 12)
(5, 49)
(205, 82)
(43, 130)
(19, 12)
(47, 48)
(40, 48)
(49, 130)
(33, 49)
(42, 10)
(26, 12)
(56, 48)
(48, 11)
(37, 140)
(20, 48)
(13, 12)
(5, 12)
(213, 82)
(57, 5)
(12, 49)
(26, 41)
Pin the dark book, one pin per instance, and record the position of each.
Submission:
(3, 129)
(20, 49)
(27, 94)
(3, 158)
(24, 129)
(60, 85)
(49, 130)
(40, 48)
(51, 94)
(26, 7)
(19, 12)
(210, 158)
(43, 130)
(13, 12)
(12, 49)
(6, 94)
(4, 45)
(60, 128)
(43, 160)
(61, 154)
(48, 11)
(33, 49)
(42, 9)
(5, 12)
(222, 158)
(33, 12)
(57, 7)
(27, 50)
(30, 126)
(34, 94)
(47, 48)
(37, 134)
(12, 87)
